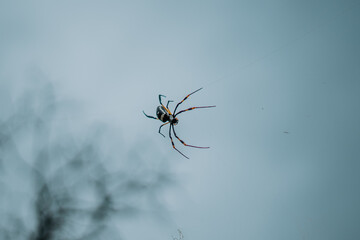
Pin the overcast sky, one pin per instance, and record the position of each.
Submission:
(284, 139)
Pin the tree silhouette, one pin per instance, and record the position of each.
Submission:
(57, 183)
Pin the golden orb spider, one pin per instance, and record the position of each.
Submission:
(163, 114)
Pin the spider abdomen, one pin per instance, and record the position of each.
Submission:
(162, 114)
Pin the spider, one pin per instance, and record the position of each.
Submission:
(163, 114)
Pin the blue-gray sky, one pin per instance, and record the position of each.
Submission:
(284, 137)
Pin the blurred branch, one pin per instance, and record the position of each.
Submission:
(181, 236)
(74, 188)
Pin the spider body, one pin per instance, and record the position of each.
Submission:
(164, 114)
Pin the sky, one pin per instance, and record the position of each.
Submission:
(284, 137)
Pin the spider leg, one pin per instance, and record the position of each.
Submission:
(192, 109)
(184, 142)
(185, 99)
(161, 127)
(167, 105)
(150, 116)
(160, 98)
(172, 142)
